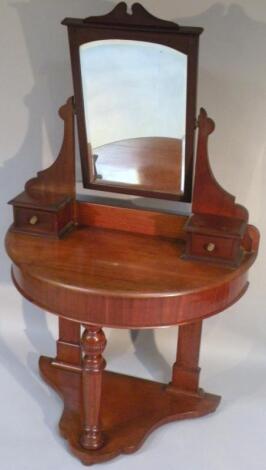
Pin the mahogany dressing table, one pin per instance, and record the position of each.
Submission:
(96, 265)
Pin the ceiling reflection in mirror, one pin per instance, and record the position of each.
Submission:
(135, 97)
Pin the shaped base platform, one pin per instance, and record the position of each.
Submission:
(131, 409)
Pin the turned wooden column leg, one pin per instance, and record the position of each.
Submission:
(68, 344)
(93, 344)
(186, 370)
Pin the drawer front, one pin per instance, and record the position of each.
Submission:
(30, 220)
(213, 247)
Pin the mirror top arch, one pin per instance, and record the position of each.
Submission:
(138, 18)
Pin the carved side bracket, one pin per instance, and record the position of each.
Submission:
(58, 180)
(217, 231)
(208, 196)
(46, 207)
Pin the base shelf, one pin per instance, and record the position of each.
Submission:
(131, 409)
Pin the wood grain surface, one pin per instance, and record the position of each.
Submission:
(148, 163)
(131, 409)
(114, 278)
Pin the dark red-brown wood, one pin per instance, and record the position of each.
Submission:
(123, 268)
(49, 199)
(68, 344)
(127, 268)
(93, 344)
(131, 220)
(156, 161)
(186, 369)
(121, 279)
(213, 199)
(139, 17)
(217, 229)
(131, 409)
(138, 26)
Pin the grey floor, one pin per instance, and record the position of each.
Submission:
(233, 361)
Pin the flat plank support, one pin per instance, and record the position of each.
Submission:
(186, 371)
(68, 345)
(131, 220)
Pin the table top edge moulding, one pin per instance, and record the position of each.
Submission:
(97, 265)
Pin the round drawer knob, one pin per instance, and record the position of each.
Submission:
(210, 247)
(33, 220)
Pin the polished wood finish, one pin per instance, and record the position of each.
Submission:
(120, 279)
(45, 222)
(50, 196)
(131, 409)
(215, 238)
(121, 268)
(68, 344)
(208, 196)
(93, 344)
(127, 268)
(149, 163)
(138, 18)
(218, 226)
(53, 182)
(131, 220)
(186, 369)
(215, 249)
(251, 239)
(138, 26)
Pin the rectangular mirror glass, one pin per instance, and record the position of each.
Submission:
(134, 96)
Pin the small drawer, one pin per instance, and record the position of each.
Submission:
(212, 247)
(215, 238)
(34, 221)
(219, 250)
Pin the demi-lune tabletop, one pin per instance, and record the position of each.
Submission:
(115, 278)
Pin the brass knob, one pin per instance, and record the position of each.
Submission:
(210, 247)
(33, 220)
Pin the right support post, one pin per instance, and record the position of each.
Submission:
(186, 369)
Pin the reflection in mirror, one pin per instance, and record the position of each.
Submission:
(135, 111)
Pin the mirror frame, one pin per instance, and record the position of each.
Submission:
(139, 25)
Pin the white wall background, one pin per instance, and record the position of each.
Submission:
(35, 80)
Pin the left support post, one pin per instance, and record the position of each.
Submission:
(68, 345)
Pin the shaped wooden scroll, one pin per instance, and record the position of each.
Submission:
(139, 16)
(208, 196)
(217, 231)
(58, 181)
(46, 207)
